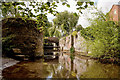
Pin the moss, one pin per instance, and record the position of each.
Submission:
(74, 33)
(26, 35)
(64, 38)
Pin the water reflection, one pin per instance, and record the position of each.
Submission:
(62, 68)
(86, 68)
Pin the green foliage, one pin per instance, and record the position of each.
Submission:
(74, 33)
(78, 28)
(65, 22)
(21, 9)
(81, 2)
(53, 31)
(68, 5)
(14, 8)
(71, 57)
(72, 50)
(39, 11)
(103, 36)
(6, 43)
(42, 22)
(64, 38)
(46, 30)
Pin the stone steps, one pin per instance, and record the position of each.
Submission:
(22, 57)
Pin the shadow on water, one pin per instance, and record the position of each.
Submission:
(62, 68)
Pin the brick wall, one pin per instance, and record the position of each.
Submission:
(115, 13)
(119, 15)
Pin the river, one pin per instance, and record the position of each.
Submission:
(62, 68)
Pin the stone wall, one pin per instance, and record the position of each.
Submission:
(65, 43)
(25, 36)
(80, 44)
(77, 41)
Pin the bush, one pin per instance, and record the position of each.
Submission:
(72, 50)
(104, 38)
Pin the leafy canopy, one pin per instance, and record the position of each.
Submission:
(65, 22)
(39, 11)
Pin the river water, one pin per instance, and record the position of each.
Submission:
(62, 68)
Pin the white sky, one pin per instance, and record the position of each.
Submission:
(104, 5)
(62, 8)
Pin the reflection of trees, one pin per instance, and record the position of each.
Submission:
(87, 62)
(57, 71)
(80, 66)
(98, 70)
(85, 68)
(60, 72)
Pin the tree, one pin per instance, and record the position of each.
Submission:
(103, 37)
(53, 31)
(23, 10)
(13, 8)
(65, 22)
(46, 30)
(78, 28)
(42, 21)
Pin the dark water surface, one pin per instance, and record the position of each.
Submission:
(62, 68)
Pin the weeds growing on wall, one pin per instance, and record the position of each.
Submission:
(6, 44)
(72, 50)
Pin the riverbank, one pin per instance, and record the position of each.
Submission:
(7, 62)
(81, 67)
(102, 60)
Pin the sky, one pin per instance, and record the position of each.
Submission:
(103, 5)
(106, 5)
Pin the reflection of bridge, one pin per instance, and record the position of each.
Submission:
(51, 48)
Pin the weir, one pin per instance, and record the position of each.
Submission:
(51, 48)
